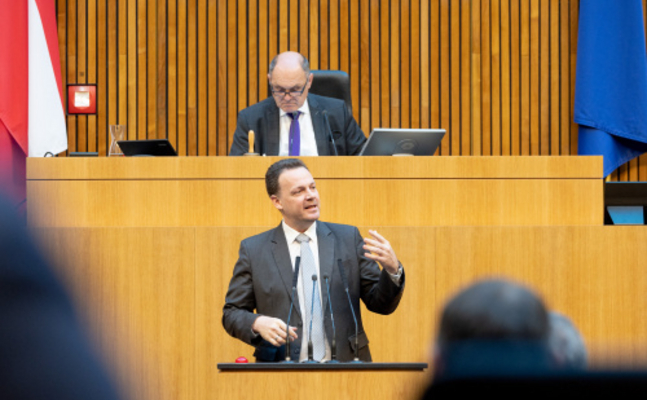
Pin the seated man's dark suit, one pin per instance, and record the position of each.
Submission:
(263, 119)
(262, 281)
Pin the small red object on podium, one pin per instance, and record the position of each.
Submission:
(241, 360)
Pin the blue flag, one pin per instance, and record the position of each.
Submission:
(611, 81)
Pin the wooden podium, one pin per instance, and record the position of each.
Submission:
(147, 247)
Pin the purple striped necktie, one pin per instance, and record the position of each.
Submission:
(295, 134)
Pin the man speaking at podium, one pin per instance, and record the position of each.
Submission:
(331, 255)
(293, 122)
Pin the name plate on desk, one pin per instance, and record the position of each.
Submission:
(238, 367)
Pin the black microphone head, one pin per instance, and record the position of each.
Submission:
(295, 277)
(314, 278)
(325, 277)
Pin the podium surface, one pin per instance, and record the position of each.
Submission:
(360, 366)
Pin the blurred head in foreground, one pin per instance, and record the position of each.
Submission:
(566, 343)
(44, 352)
(492, 327)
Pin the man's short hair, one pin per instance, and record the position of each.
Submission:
(304, 64)
(494, 310)
(275, 170)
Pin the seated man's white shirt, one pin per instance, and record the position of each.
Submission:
(308, 141)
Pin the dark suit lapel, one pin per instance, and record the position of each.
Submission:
(326, 241)
(318, 125)
(283, 264)
(273, 132)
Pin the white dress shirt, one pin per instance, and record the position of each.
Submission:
(308, 141)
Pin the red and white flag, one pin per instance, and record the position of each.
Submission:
(32, 117)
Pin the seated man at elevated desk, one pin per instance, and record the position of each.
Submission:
(331, 255)
(293, 122)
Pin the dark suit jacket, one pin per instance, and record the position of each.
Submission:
(263, 119)
(262, 281)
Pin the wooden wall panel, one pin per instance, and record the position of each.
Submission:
(122, 64)
(171, 66)
(141, 81)
(132, 70)
(145, 325)
(203, 83)
(497, 74)
(444, 74)
(81, 59)
(191, 83)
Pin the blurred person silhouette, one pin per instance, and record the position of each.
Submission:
(565, 343)
(44, 352)
(495, 339)
(492, 327)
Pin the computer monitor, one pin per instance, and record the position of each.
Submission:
(146, 148)
(415, 142)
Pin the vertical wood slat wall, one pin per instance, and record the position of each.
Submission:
(499, 75)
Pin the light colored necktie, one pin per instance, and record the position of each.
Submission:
(313, 311)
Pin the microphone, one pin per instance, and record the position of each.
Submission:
(333, 349)
(332, 139)
(295, 278)
(312, 306)
(350, 303)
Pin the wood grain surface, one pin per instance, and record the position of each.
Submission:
(498, 75)
(223, 191)
(153, 297)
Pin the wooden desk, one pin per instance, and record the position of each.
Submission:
(363, 191)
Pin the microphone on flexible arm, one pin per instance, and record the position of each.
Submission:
(311, 359)
(333, 348)
(350, 303)
(295, 278)
(332, 139)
